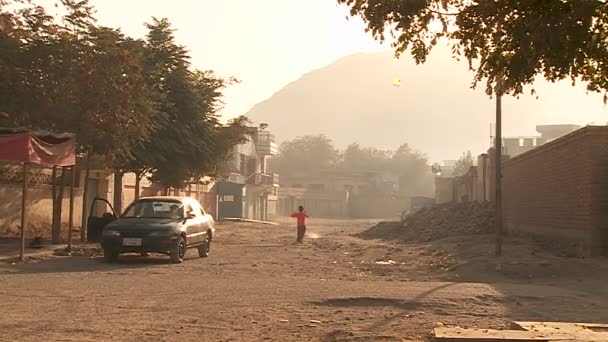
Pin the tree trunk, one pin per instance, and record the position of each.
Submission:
(60, 203)
(138, 176)
(85, 194)
(24, 211)
(55, 230)
(71, 216)
(118, 192)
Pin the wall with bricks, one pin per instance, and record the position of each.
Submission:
(444, 190)
(559, 191)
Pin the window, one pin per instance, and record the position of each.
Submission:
(149, 208)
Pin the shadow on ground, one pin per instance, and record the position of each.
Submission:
(79, 264)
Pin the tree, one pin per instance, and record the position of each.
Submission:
(69, 74)
(506, 42)
(411, 166)
(189, 141)
(463, 164)
(307, 154)
(72, 75)
(512, 40)
(358, 158)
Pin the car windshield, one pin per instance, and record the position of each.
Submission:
(147, 208)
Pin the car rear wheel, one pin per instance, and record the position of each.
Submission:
(110, 255)
(205, 249)
(179, 251)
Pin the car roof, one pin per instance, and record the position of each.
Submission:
(182, 199)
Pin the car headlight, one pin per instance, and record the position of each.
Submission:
(110, 233)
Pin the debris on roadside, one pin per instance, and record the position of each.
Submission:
(436, 223)
(389, 262)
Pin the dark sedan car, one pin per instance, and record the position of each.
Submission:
(167, 225)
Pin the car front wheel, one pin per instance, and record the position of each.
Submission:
(179, 251)
(205, 249)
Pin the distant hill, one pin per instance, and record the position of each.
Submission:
(434, 109)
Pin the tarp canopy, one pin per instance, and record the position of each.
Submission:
(37, 147)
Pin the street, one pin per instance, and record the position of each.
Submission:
(258, 284)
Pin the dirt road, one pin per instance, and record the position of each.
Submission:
(259, 285)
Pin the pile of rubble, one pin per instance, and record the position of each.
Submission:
(438, 222)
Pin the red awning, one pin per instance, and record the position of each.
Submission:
(37, 147)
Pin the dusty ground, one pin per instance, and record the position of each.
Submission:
(259, 285)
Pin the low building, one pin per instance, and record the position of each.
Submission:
(515, 146)
(338, 193)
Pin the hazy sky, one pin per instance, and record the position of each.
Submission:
(270, 43)
(264, 43)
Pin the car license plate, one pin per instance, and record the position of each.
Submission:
(131, 242)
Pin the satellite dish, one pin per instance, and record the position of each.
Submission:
(436, 168)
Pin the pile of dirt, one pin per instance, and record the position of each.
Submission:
(438, 222)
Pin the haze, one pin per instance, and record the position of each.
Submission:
(269, 44)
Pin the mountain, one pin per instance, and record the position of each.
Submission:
(434, 110)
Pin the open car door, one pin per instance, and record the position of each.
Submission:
(95, 223)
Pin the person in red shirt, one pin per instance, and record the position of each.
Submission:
(301, 220)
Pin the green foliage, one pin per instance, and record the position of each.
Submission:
(304, 154)
(360, 158)
(189, 141)
(74, 76)
(308, 155)
(138, 105)
(512, 40)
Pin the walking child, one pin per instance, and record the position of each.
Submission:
(301, 220)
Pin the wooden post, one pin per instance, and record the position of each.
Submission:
(498, 170)
(23, 211)
(217, 207)
(55, 230)
(85, 192)
(57, 239)
(71, 218)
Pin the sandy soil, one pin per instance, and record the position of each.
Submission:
(259, 285)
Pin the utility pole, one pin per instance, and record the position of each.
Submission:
(498, 164)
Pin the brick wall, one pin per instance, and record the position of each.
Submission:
(444, 190)
(560, 190)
